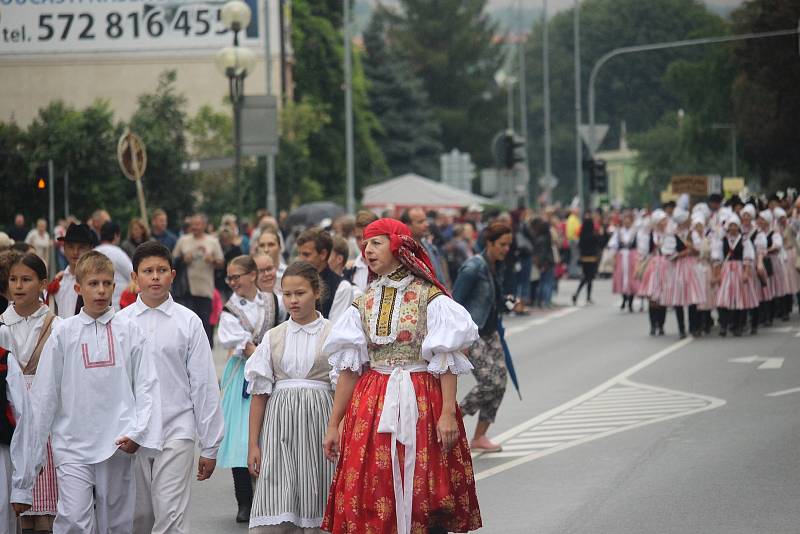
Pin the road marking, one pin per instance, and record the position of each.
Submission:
(782, 392)
(617, 392)
(767, 363)
(797, 334)
(539, 321)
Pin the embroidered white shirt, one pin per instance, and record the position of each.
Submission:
(23, 472)
(190, 397)
(96, 383)
(20, 334)
(232, 335)
(299, 354)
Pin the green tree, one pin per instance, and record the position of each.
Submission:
(410, 135)
(318, 76)
(161, 121)
(629, 88)
(450, 45)
(765, 94)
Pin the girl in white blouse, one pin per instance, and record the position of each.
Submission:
(26, 325)
(288, 376)
(245, 319)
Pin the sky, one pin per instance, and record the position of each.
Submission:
(558, 5)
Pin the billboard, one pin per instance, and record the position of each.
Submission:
(61, 27)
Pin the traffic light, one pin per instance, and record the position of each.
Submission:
(598, 176)
(513, 150)
(40, 177)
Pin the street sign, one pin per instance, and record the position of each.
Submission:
(600, 131)
(548, 182)
(692, 185)
(259, 125)
(132, 158)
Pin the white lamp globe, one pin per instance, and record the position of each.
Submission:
(235, 60)
(236, 15)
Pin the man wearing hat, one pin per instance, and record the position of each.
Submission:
(65, 302)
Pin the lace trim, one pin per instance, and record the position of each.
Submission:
(288, 517)
(455, 362)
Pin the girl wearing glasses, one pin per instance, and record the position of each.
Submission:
(246, 317)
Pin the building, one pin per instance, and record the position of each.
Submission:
(79, 51)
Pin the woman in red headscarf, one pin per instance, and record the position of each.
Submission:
(403, 459)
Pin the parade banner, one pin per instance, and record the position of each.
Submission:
(62, 27)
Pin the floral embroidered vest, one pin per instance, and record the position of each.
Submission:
(394, 317)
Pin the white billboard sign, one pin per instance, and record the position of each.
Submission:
(47, 28)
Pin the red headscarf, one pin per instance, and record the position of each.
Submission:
(407, 251)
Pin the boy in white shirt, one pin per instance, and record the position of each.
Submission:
(96, 393)
(190, 397)
(62, 297)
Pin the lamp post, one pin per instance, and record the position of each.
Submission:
(235, 62)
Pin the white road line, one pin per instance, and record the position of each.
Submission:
(614, 406)
(517, 328)
(771, 363)
(783, 391)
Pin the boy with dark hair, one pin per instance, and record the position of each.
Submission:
(314, 246)
(96, 394)
(190, 397)
(62, 297)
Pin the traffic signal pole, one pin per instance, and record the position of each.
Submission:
(662, 46)
(51, 212)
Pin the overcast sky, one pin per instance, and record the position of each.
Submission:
(558, 5)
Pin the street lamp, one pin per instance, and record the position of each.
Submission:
(235, 62)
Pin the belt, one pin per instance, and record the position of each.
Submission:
(399, 418)
(291, 383)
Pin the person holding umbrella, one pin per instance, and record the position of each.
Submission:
(478, 288)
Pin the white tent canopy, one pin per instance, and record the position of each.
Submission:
(412, 190)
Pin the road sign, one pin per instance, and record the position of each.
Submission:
(600, 131)
(132, 158)
(548, 182)
(692, 185)
(259, 125)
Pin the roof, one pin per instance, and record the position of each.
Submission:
(411, 190)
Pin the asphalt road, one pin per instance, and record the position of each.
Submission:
(618, 432)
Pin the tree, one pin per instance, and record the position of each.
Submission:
(161, 121)
(410, 135)
(629, 88)
(765, 94)
(318, 76)
(450, 45)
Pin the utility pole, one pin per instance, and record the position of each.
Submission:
(548, 162)
(578, 149)
(272, 201)
(523, 105)
(348, 113)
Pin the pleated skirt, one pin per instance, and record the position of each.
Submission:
(682, 285)
(652, 284)
(295, 475)
(624, 281)
(45, 489)
(734, 293)
(777, 282)
(705, 275)
(792, 277)
(235, 413)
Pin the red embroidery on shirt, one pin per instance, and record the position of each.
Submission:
(110, 361)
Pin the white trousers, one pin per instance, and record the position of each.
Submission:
(96, 498)
(8, 520)
(163, 484)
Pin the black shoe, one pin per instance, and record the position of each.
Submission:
(737, 332)
(622, 306)
(682, 335)
(574, 300)
(660, 330)
(243, 516)
(723, 331)
(753, 330)
(652, 330)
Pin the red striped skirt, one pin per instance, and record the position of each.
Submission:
(777, 282)
(624, 281)
(734, 293)
(45, 489)
(653, 278)
(792, 278)
(683, 286)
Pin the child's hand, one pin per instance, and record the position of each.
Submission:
(254, 460)
(249, 349)
(20, 508)
(126, 444)
(205, 467)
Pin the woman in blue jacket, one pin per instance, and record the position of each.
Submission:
(478, 289)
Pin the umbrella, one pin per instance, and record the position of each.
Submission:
(313, 213)
(509, 362)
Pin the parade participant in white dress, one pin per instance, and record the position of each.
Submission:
(682, 286)
(289, 379)
(190, 404)
(61, 295)
(623, 242)
(17, 474)
(25, 327)
(652, 268)
(268, 281)
(701, 242)
(789, 261)
(244, 321)
(96, 393)
(769, 247)
(731, 255)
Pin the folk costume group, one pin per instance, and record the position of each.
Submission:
(346, 426)
(737, 259)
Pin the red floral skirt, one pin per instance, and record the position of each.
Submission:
(361, 498)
